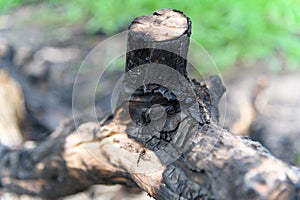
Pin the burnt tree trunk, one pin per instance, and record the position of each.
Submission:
(164, 136)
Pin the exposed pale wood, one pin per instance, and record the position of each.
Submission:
(211, 164)
(12, 110)
(161, 26)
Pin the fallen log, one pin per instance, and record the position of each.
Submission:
(164, 135)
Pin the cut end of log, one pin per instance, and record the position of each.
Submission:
(161, 38)
(163, 25)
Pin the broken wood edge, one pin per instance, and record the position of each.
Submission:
(168, 35)
(162, 25)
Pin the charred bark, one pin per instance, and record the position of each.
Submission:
(164, 136)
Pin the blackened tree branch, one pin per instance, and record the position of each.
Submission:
(164, 136)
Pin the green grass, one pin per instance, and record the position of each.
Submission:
(229, 30)
(6, 5)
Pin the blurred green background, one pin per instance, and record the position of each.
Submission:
(243, 32)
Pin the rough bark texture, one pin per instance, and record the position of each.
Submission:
(159, 38)
(163, 138)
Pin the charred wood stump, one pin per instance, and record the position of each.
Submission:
(163, 138)
(157, 93)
